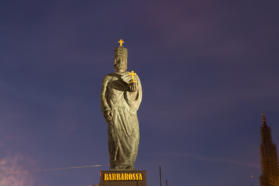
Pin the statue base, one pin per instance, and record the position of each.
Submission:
(122, 178)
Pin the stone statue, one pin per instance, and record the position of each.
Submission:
(121, 96)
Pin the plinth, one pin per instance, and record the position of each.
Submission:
(123, 178)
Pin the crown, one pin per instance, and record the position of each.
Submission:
(120, 50)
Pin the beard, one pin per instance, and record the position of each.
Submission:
(120, 68)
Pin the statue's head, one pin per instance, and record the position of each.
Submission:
(120, 59)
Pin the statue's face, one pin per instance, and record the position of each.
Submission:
(120, 64)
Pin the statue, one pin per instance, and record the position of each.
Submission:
(121, 96)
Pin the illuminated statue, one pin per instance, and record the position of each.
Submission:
(121, 96)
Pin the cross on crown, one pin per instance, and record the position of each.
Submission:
(121, 42)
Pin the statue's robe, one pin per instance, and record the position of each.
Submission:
(123, 129)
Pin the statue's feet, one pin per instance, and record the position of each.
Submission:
(131, 168)
(121, 167)
(117, 168)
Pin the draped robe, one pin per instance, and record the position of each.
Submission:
(123, 129)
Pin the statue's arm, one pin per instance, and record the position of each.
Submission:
(104, 103)
(139, 98)
(134, 98)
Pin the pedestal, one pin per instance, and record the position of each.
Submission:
(123, 178)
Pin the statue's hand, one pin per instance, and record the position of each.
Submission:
(108, 115)
(133, 87)
(126, 77)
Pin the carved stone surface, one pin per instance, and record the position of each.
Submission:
(121, 96)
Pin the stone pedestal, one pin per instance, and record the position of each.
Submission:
(123, 178)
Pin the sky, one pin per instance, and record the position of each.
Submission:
(208, 69)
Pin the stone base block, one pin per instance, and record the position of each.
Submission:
(123, 178)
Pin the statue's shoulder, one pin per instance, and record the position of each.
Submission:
(108, 76)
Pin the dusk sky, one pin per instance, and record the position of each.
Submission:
(208, 69)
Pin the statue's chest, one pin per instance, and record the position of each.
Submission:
(117, 86)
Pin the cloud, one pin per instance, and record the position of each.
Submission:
(194, 156)
(67, 118)
(70, 168)
(217, 159)
(15, 166)
(211, 29)
(14, 172)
